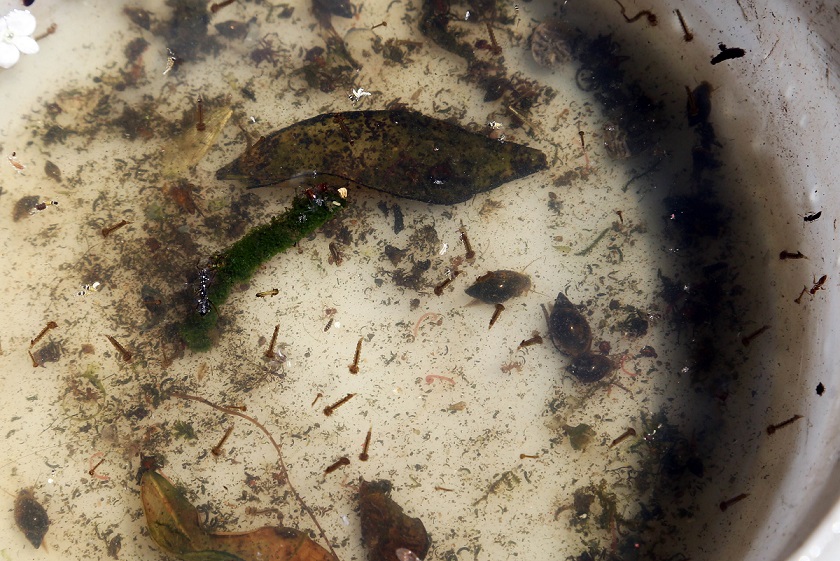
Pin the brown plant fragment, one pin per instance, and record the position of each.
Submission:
(385, 527)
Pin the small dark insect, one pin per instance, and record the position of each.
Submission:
(439, 288)
(31, 518)
(688, 36)
(110, 229)
(181, 194)
(232, 29)
(494, 88)
(329, 324)
(43, 205)
(364, 455)
(496, 50)
(341, 8)
(248, 94)
(590, 367)
(272, 292)
(788, 255)
(147, 463)
(200, 125)
(50, 325)
(52, 171)
(820, 389)
(627, 434)
(813, 216)
(126, 356)
(381, 24)
(470, 253)
(691, 108)
(335, 254)
(215, 7)
(773, 428)
(747, 339)
(534, 340)
(648, 351)
(339, 119)
(523, 456)
(727, 503)
(568, 329)
(270, 352)
(354, 368)
(582, 140)
(728, 53)
(345, 461)
(328, 410)
(202, 302)
(217, 449)
(317, 397)
(818, 284)
(92, 470)
(139, 16)
(499, 286)
(499, 309)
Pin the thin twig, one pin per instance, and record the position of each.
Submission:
(276, 447)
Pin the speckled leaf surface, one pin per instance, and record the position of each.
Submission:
(173, 525)
(400, 152)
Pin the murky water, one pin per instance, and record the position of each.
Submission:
(494, 445)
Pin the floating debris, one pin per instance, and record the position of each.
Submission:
(400, 152)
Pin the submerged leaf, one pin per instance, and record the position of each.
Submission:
(186, 150)
(173, 525)
(400, 152)
(172, 519)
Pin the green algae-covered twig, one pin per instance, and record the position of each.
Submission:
(238, 262)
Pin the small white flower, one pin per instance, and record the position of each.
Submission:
(16, 29)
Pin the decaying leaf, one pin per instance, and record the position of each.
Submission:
(387, 532)
(186, 150)
(174, 526)
(400, 152)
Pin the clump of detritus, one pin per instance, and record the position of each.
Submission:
(551, 44)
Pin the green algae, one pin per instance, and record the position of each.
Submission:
(238, 262)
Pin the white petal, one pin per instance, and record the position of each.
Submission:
(20, 22)
(3, 26)
(9, 55)
(26, 45)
